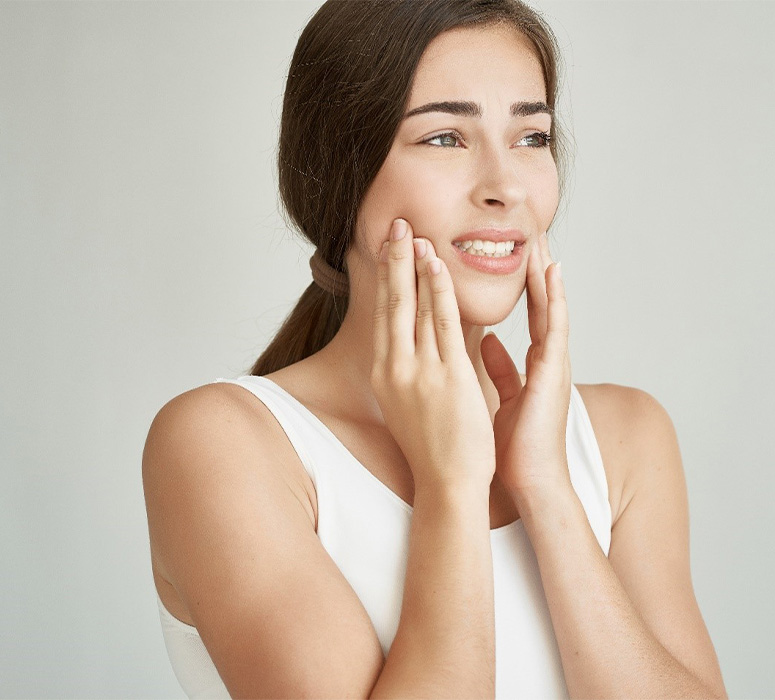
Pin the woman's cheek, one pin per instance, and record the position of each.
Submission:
(546, 193)
(435, 212)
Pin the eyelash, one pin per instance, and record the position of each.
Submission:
(545, 137)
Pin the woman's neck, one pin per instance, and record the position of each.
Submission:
(348, 357)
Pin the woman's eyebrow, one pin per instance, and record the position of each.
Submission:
(472, 109)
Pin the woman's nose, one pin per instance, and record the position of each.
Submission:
(498, 181)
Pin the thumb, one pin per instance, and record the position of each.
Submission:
(500, 368)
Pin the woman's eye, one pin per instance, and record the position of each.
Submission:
(444, 140)
(540, 139)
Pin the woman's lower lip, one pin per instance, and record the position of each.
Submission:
(500, 266)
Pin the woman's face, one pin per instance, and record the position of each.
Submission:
(462, 168)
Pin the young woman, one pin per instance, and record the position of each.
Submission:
(385, 506)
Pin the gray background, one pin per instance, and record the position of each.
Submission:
(143, 254)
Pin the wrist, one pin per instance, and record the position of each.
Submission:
(549, 497)
(456, 495)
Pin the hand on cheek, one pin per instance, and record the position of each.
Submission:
(530, 425)
(422, 376)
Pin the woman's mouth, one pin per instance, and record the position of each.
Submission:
(503, 258)
(488, 249)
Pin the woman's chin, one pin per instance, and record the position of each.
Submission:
(486, 300)
(484, 310)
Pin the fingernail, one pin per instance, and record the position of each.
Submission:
(399, 229)
(559, 269)
(383, 254)
(434, 266)
(419, 248)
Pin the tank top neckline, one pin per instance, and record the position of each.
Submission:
(508, 527)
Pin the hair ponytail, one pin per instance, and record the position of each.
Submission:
(311, 325)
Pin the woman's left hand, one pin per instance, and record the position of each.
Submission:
(531, 422)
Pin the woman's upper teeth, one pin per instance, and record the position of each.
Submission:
(487, 246)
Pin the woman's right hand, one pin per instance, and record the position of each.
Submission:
(422, 377)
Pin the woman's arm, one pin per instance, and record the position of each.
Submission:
(275, 613)
(445, 643)
(230, 531)
(627, 625)
(432, 404)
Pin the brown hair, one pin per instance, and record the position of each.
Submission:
(348, 86)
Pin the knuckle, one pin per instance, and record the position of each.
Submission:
(445, 324)
(440, 287)
(424, 310)
(380, 312)
(395, 299)
(399, 253)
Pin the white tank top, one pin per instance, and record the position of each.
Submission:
(364, 526)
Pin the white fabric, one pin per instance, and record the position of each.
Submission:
(364, 526)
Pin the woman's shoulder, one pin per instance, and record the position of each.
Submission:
(630, 426)
(223, 418)
(217, 406)
(616, 406)
(212, 411)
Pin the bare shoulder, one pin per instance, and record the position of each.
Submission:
(227, 412)
(231, 533)
(228, 422)
(629, 425)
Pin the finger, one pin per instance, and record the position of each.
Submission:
(536, 294)
(426, 344)
(556, 344)
(402, 290)
(546, 254)
(380, 323)
(556, 304)
(500, 368)
(446, 314)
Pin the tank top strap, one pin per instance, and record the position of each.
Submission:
(284, 411)
(587, 472)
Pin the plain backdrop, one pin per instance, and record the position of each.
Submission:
(143, 254)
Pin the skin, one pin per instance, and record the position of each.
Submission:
(493, 179)
(637, 604)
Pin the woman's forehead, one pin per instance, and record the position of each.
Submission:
(467, 62)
